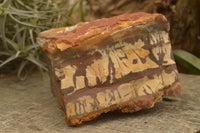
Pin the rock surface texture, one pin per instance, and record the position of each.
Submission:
(120, 63)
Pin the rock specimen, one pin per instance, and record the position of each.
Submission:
(120, 63)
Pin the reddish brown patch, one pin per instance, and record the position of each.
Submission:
(174, 90)
(85, 33)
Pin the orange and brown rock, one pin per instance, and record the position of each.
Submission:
(120, 63)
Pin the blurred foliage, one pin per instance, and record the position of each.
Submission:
(187, 60)
(21, 21)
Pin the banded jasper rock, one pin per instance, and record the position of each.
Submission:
(120, 63)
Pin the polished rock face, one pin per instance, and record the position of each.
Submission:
(124, 62)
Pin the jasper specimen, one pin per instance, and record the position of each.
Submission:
(120, 63)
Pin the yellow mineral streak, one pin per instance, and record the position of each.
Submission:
(116, 61)
(99, 69)
(169, 78)
(122, 56)
(69, 72)
(117, 97)
(58, 72)
(165, 36)
(111, 76)
(70, 109)
(126, 91)
(167, 57)
(91, 76)
(80, 82)
(101, 97)
(124, 66)
(150, 86)
(156, 51)
(166, 49)
(105, 98)
(87, 102)
(154, 38)
(109, 97)
(84, 105)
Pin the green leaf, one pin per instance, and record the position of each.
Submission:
(71, 11)
(82, 11)
(23, 41)
(3, 17)
(11, 58)
(32, 38)
(21, 21)
(187, 60)
(21, 69)
(30, 47)
(13, 44)
(5, 3)
(26, 24)
(2, 30)
(27, 15)
(4, 53)
(32, 12)
(18, 30)
(36, 62)
(21, 3)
